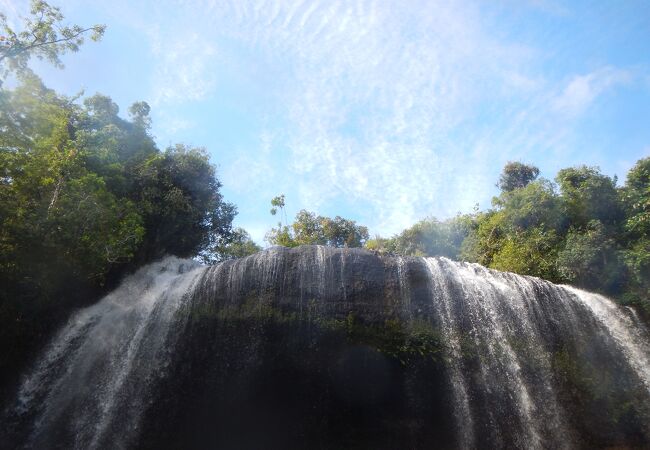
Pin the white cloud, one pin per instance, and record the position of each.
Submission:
(583, 90)
(401, 76)
(247, 174)
(173, 125)
(184, 71)
(404, 107)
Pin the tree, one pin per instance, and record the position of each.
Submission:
(280, 235)
(51, 200)
(86, 196)
(589, 195)
(590, 259)
(590, 233)
(237, 245)
(381, 245)
(340, 232)
(44, 36)
(83, 174)
(528, 252)
(311, 229)
(277, 203)
(637, 262)
(179, 196)
(516, 175)
(429, 237)
(636, 254)
(484, 238)
(139, 113)
(534, 205)
(308, 229)
(636, 199)
(527, 223)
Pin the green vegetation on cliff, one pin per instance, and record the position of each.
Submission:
(86, 196)
(581, 229)
(311, 229)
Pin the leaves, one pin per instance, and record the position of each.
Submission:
(429, 237)
(237, 245)
(636, 197)
(44, 36)
(516, 175)
(588, 232)
(84, 192)
(587, 194)
(310, 229)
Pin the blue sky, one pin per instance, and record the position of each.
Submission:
(385, 112)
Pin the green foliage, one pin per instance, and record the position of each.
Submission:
(636, 198)
(588, 232)
(280, 236)
(637, 263)
(381, 245)
(179, 195)
(44, 36)
(521, 234)
(237, 245)
(587, 195)
(636, 253)
(406, 342)
(139, 113)
(277, 203)
(573, 235)
(340, 232)
(52, 201)
(532, 206)
(85, 196)
(429, 237)
(590, 258)
(516, 175)
(530, 252)
(484, 239)
(310, 229)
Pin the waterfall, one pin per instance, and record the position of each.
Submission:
(630, 338)
(92, 381)
(337, 348)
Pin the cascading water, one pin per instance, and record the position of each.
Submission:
(338, 348)
(92, 382)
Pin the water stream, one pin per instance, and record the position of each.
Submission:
(525, 363)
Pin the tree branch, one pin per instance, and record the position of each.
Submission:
(12, 53)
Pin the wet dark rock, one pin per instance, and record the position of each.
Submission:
(326, 348)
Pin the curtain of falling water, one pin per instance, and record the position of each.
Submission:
(91, 384)
(505, 391)
(501, 334)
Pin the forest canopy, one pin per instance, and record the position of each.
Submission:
(86, 196)
(581, 229)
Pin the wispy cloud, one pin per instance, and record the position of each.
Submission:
(183, 72)
(582, 90)
(376, 89)
(404, 109)
(172, 124)
(249, 174)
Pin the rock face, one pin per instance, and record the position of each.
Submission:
(316, 347)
